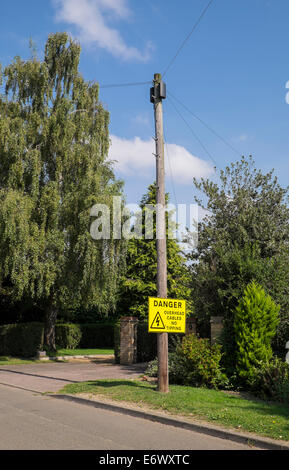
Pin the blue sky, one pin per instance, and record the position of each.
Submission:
(231, 73)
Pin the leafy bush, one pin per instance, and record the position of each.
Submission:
(281, 338)
(228, 342)
(152, 368)
(272, 380)
(255, 324)
(176, 368)
(21, 340)
(201, 362)
(73, 336)
(67, 336)
(196, 363)
(97, 335)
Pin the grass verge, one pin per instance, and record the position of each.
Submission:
(223, 408)
(80, 352)
(11, 361)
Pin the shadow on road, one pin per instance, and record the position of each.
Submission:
(37, 375)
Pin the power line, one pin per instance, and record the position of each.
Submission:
(193, 132)
(206, 125)
(117, 85)
(170, 168)
(188, 37)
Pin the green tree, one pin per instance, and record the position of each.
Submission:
(139, 281)
(53, 168)
(255, 323)
(244, 236)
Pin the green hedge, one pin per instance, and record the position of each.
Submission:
(67, 336)
(100, 335)
(147, 347)
(25, 339)
(73, 336)
(21, 340)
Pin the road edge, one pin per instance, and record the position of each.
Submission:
(203, 428)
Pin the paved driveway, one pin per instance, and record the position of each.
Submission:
(49, 377)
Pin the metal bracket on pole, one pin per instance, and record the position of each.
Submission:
(158, 92)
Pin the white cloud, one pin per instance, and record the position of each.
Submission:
(135, 157)
(91, 19)
(142, 120)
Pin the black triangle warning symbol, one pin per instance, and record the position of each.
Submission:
(158, 323)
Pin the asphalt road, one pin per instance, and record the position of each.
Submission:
(31, 421)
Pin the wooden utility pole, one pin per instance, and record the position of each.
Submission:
(158, 93)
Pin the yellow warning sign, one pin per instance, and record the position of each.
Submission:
(167, 315)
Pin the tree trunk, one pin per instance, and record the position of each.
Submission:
(49, 329)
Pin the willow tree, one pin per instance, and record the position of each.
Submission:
(54, 144)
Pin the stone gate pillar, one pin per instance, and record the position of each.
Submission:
(128, 340)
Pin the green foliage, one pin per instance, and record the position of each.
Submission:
(98, 335)
(176, 369)
(84, 316)
(116, 338)
(77, 336)
(195, 363)
(25, 339)
(25, 311)
(271, 380)
(255, 324)
(22, 340)
(243, 237)
(146, 342)
(54, 145)
(139, 281)
(281, 338)
(201, 362)
(147, 345)
(68, 336)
